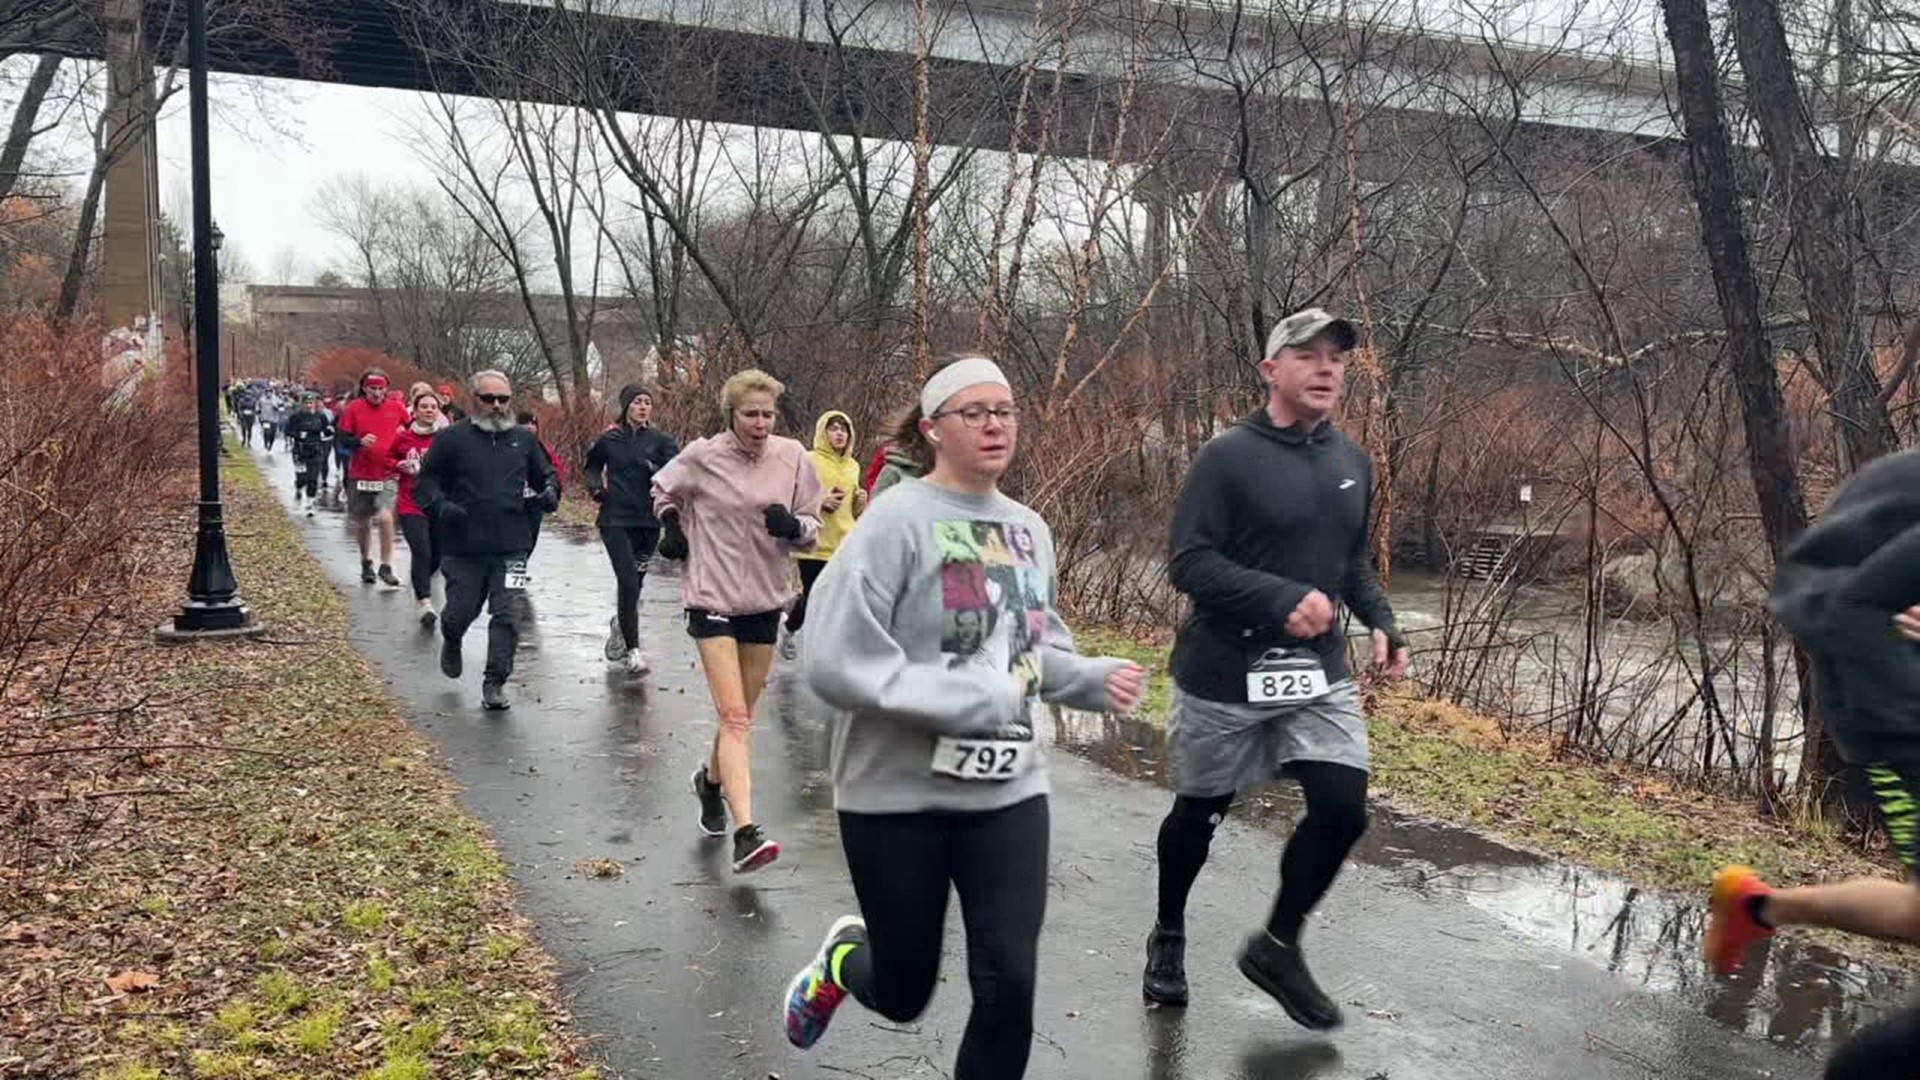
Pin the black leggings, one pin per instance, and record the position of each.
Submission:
(901, 865)
(308, 482)
(809, 573)
(628, 549)
(423, 555)
(1336, 797)
(1889, 1049)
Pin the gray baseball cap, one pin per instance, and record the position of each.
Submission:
(1303, 326)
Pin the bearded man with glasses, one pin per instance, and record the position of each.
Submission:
(475, 483)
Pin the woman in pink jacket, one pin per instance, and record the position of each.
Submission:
(736, 507)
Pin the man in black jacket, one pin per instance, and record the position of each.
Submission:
(619, 473)
(1849, 592)
(309, 435)
(1269, 540)
(473, 483)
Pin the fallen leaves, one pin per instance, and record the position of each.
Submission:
(132, 982)
(316, 910)
(600, 868)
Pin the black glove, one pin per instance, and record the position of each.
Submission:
(673, 542)
(781, 523)
(451, 514)
(546, 500)
(599, 495)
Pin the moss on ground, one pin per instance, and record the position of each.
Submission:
(309, 898)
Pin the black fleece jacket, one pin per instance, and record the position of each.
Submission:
(1837, 591)
(1265, 516)
(309, 432)
(472, 484)
(619, 470)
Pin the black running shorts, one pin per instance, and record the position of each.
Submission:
(761, 628)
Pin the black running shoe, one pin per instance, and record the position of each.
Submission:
(615, 649)
(713, 805)
(1281, 971)
(1165, 981)
(387, 577)
(449, 657)
(752, 850)
(366, 571)
(493, 696)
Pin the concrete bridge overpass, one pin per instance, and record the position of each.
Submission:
(1193, 79)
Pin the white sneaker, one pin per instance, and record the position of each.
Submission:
(427, 614)
(637, 662)
(309, 505)
(789, 646)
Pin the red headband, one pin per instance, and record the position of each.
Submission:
(372, 381)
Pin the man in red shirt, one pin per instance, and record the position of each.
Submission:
(369, 423)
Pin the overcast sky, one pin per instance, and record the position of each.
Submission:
(264, 181)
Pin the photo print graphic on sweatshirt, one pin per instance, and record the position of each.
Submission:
(994, 598)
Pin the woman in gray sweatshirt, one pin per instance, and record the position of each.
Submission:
(934, 635)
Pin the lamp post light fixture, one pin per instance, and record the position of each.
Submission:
(213, 608)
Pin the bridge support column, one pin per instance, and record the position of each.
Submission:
(130, 227)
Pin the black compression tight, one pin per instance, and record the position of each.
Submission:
(1336, 818)
(629, 547)
(1888, 1049)
(902, 867)
(809, 573)
(423, 556)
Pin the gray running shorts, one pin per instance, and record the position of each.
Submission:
(1219, 748)
(365, 504)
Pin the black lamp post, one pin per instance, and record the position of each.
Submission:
(213, 607)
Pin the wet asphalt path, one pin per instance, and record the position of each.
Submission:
(1452, 956)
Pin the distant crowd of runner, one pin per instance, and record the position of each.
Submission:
(919, 603)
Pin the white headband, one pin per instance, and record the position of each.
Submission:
(956, 377)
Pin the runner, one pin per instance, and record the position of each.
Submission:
(532, 423)
(308, 432)
(900, 462)
(273, 417)
(935, 631)
(335, 497)
(405, 452)
(619, 476)
(440, 419)
(473, 483)
(453, 412)
(875, 463)
(1269, 539)
(839, 475)
(246, 410)
(1849, 592)
(737, 506)
(368, 424)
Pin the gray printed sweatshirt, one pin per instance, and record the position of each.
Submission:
(936, 618)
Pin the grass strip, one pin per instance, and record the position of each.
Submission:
(309, 902)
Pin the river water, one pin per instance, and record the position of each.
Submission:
(1520, 651)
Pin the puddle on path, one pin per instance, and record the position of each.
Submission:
(1795, 992)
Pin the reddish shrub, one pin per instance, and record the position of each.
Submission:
(79, 468)
(339, 368)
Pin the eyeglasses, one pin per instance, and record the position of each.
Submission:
(494, 399)
(976, 415)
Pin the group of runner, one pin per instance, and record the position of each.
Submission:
(928, 601)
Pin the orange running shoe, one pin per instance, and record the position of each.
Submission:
(1731, 926)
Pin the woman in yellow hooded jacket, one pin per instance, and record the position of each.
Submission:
(842, 500)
